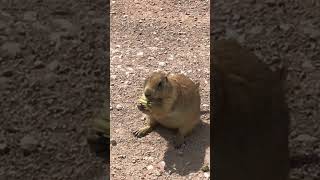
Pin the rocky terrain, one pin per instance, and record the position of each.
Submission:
(53, 73)
(147, 36)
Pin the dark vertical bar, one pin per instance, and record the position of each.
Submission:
(54, 89)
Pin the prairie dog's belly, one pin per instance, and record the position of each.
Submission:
(176, 119)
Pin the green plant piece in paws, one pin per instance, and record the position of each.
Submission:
(144, 101)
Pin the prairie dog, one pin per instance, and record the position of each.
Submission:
(174, 102)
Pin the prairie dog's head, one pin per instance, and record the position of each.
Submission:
(157, 86)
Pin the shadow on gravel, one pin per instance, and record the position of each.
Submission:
(190, 157)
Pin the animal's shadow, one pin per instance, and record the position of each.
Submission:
(190, 157)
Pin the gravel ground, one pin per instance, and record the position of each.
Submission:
(283, 33)
(52, 80)
(146, 36)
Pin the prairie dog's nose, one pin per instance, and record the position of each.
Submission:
(147, 93)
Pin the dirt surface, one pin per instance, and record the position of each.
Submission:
(52, 80)
(146, 36)
(284, 34)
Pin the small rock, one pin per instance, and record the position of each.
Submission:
(39, 26)
(113, 77)
(119, 107)
(12, 48)
(307, 65)
(140, 54)
(205, 105)
(206, 175)
(4, 148)
(113, 142)
(306, 138)
(149, 167)
(29, 144)
(312, 32)
(162, 165)
(284, 27)
(231, 33)
(255, 30)
(205, 168)
(64, 24)
(157, 173)
(38, 64)
(162, 64)
(30, 16)
(53, 65)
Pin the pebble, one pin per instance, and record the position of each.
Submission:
(53, 65)
(171, 57)
(119, 107)
(113, 142)
(284, 27)
(311, 31)
(205, 168)
(205, 105)
(4, 148)
(162, 165)
(113, 77)
(306, 138)
(29, 143)
(11, 47)
(307, 65)
(206, 175)
(30, 16)
(64, 24)
(38, 64)
(255, 30)
(162, 64)
(149, 167)
(140, 54)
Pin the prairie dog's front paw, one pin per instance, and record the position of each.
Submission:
(142, 131)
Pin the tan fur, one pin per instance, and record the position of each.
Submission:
(179, 107)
